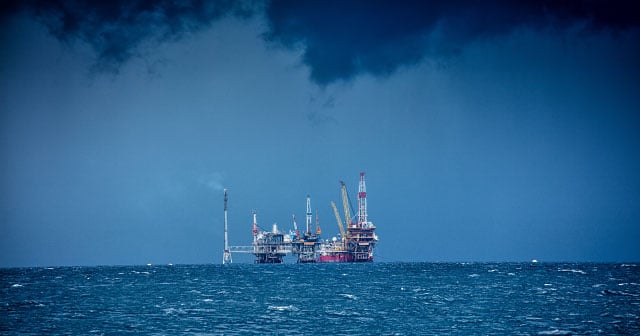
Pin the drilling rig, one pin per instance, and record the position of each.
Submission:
(357, 242)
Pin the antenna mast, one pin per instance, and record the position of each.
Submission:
(226, 256)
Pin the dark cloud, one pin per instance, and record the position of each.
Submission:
(342, 39)
(339, 39)
(117, 30)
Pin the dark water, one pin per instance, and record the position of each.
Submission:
(378, 298)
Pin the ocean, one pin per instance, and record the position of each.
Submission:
(344, 299)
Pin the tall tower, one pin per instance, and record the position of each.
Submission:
(226, 256)
(309, 214)
(254, 228)
(362, 202)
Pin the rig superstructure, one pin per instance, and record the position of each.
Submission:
(269, 247)
(306, 247)
(356, 244)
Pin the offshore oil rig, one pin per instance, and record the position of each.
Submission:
(356, 242)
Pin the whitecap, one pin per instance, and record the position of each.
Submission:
(207, 300)
(474, 275)
(170, 311)
(612, 292)
(555, 332)
(283, 308)
(572, 271)
(349, 296)
(341, 313)
(16, 286)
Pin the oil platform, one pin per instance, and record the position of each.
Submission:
(356, 242)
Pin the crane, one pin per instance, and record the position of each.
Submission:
(335, 211)
(295, 227)
(318, 230)
(346, 204)
(309, 215)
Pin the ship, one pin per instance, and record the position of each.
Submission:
(356, 243)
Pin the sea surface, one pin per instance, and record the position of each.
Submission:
(343, 299)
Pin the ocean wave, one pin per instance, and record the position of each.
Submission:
(283, 308)
(436, 298)
(349, 296)
(341, 313)
(572, 270)
(622, 293)
(174, 311)
(555, 332)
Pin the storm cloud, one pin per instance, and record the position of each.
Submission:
(338, 40)
(119, 30)
(343, 39)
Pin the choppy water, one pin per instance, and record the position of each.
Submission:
(378, 298)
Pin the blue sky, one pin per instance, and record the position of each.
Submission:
(488, 132)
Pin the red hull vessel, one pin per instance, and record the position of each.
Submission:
(335, 258)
